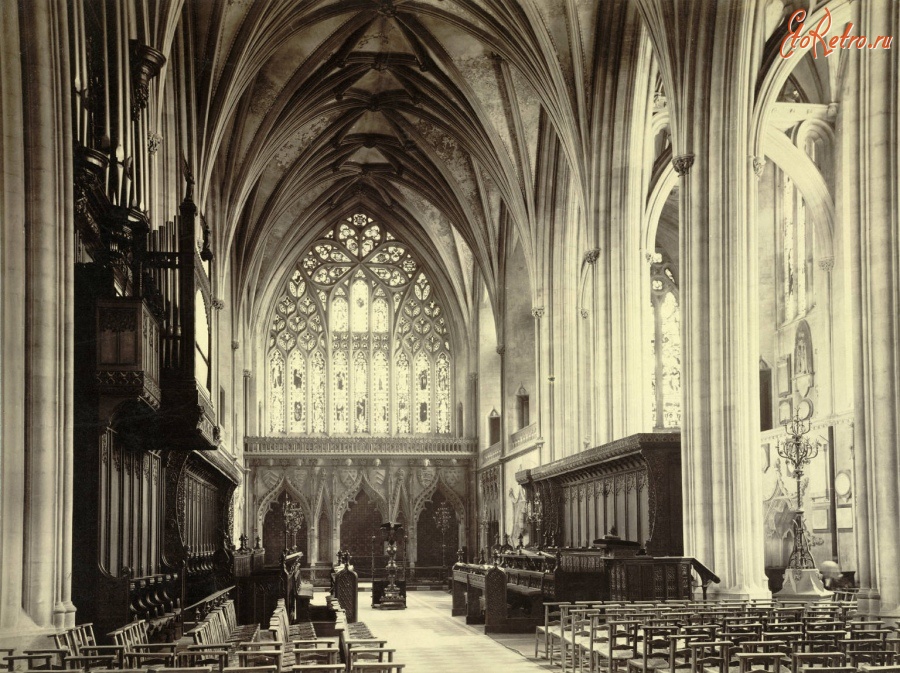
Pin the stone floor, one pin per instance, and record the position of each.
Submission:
(429, 640)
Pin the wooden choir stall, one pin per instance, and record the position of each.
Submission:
(153, 487)
(608, 526)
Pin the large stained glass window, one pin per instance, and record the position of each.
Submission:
(358, 342)
(665, 380)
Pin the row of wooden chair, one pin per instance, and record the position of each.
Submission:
(605, 636)
(365, 653)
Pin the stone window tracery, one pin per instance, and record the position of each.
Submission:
(358, 341)
(795, 251)
(666, 345)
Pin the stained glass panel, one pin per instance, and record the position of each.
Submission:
(380, 393)
(359, 303)
(422, 379)
(665, 347)
(442, 392)
(340, 392)
(339, 315)
(317, 393)
(401, 383)
(276, 391)
(297, 392)
(670, 357)
(360, 392)
(379, 315)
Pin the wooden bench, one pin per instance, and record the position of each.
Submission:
(506, 607)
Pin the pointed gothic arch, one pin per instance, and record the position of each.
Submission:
(283, 486)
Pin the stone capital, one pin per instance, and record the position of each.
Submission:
(759, 165)
(153, 142)
(235, 345)
(218, 304)
(501, 349)
(538, 312)
(827, 264)
(683, 163)
(591, 255)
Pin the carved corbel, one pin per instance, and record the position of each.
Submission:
(146, 62)
(759, 166)
(683, 163)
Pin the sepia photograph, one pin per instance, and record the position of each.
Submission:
(442, 336)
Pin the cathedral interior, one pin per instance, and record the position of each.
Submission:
(527, 279)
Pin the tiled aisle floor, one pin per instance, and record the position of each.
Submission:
(429, 640)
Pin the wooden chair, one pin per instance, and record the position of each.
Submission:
(193, 669)
(679, 649)
(323, 653)
(654, 649)
(324, 668)
(145, 660)
(583, 636)
(79, 647)
(34, 661)
(250, 669)
(871, 657)
(710, 654)
(547, 634)
(621, 645)
(260, 654)
(759, 662)
(377, 667)
(212, 658)
(569, 625)
(368, 643)
(816, 659)
(820, 645)
(369, 654)
(91, 663)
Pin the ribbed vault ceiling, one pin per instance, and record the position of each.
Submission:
(317, 108)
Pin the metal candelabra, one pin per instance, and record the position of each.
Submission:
(293, 521)
(392, 598)
(534, 513)
(797, 450)
(443, 517)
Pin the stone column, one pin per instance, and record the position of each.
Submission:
(705, 52)
(504, 437)
(12, 321)
(539, 396)
(870, 128)
(49, 318)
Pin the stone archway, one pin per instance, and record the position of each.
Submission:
(360, 523)
(274, 536)
(432, 547)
